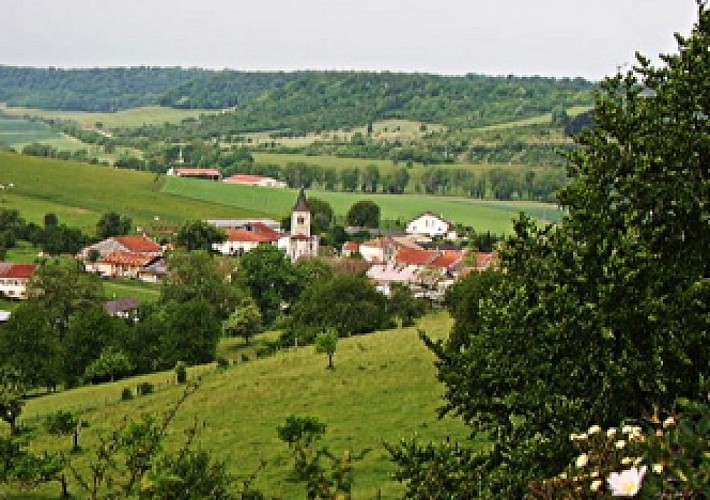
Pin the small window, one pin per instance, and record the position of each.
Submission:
(300, 220)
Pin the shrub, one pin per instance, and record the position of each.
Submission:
(126, 394)
(145, 388)
(181, 372)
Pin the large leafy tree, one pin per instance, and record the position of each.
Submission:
(197, 275)
(604, 316)
(198, 235)
(30, 347)
(61, 288)
(271, 279)
(364, 213)
(113, 224)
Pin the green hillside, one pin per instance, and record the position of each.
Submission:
(494, 216)
(79, 194)
(382, 389)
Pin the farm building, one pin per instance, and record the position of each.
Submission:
(255, 180)
(196, 173)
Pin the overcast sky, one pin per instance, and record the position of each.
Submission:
(587, 38)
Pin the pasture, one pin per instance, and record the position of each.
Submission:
(79, 194)
(134, 117)
(16, 131)
(383, 388)
(483, 215)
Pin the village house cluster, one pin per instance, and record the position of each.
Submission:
(412, 258)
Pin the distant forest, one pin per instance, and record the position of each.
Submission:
(295, 102)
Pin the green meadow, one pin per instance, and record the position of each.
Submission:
(134, 117)
(15, 131)
(383, 388)
(80, 193)
(483, 215)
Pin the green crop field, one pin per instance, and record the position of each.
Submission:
(494, 216)
(135, 117)
(383, 388)
(14, 131)
(79, 194)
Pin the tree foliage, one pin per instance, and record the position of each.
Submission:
(113, 224)
(198, 235)
(604, 316)
(364, 213)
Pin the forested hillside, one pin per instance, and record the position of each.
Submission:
(298, 101)
(97, 89)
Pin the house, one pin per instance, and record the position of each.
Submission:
(126, 307)
(196, 173)
(125, 265)
(431, 225)
(383, 275)
(130, 244)
(255, 180)
(350, 249)
(14, 278)
(242, 223)
(437, 270)
(379, 250)
(241, 240)
(5, 316)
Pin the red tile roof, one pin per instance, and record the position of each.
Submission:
(485, 259)
(138, 244)
(248, 179)
(446, 259)
(351, 246)
(128, 259)
(415, 257)
(258, 233)
(19, 271)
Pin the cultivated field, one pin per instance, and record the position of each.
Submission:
(135, 117)
(383, 389)
(494, 216)
(79, 194)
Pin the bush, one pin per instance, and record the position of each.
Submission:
(181, 372)
(667, 459)
(145, 388)
(245, 358)
(126, 394)
(222, 362)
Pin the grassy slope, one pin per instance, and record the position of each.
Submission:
(383, 389)
(79, 194)
(483, 215)
(135, 117)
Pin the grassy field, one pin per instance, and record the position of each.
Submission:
(15, 131)
(494, 216)
(384, 130)
(135, 117)
(79, 194)
(383, 389)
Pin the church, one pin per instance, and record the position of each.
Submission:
(300, 243)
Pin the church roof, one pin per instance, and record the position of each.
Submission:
(301, 203)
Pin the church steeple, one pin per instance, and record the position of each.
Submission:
(301, 202)
(301, 216)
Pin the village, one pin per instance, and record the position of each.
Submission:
(425, 257)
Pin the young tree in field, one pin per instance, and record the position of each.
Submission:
(245, 321)
(603, 317)
(113, 224)
(364, 213)
(327, 343)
